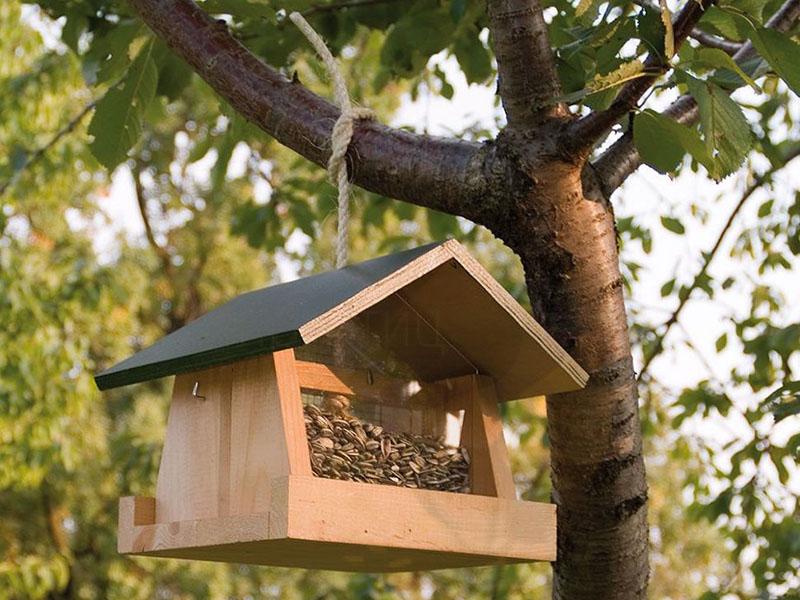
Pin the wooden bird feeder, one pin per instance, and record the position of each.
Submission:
(423, 342)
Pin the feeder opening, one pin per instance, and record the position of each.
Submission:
(387, 426)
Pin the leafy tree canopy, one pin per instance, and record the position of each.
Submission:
(218, 200)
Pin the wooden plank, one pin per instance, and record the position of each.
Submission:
(306, 554)
(491, 467)
(482, 434)
(377, 515)
(134, 511)
(221, 452)
(320, 523)
(369, 296)
(193, 474)
(257, 323)
(357, 382)
(574, 377)
(285, 420)
(461, 320)
(253, 382)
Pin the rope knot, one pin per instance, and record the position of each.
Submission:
(341, 134)
(340, 139)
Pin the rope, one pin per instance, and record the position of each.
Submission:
(340, 136)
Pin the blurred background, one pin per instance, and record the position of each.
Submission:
(96, 264)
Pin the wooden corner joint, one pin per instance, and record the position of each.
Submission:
(134, 511)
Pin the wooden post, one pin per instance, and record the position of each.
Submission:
(482, 435)
(225, 445)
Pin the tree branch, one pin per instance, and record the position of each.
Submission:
(586, 131)
(527, 80)
(141, 201)
(437, 173)
(759, 181)
(620, 160)
(706, 39)
(712, 41)
(39, 153)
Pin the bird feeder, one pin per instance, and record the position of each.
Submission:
(349, 421)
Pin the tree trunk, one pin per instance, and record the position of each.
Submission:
(568, 247)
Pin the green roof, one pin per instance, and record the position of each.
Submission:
(254, 323)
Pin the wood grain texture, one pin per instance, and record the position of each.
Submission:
(222, 451)
(444, 314)
(249, 473)
(319, 523)
(285, 419)
(574, 377)
(482, 435)
(193, 476)
(134, 512)
(434, 308)
(362, 383)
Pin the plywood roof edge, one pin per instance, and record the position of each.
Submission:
(519, 314)
(195, 362)
(380, 290)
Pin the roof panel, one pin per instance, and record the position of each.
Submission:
(254, 323)
(436, 297)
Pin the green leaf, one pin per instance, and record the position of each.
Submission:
(716, 58)
(650, 30)
(441, 225)
(423, 31)
(225, 149)
(765, 208)
(724, 23)
(109, 53)
(721, 343)
(457, 9)
(669, 36)
(173, 73)
(754, 8)
(667, 288)
(604, 82)
(73, 29)
(725, 129)
(783, 402)
(781, 52)
(117, 121)
(672, 224)
(473, 57)
(662, 142)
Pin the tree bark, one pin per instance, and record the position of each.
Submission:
(567, 243)
(527, 81)
(440, 173)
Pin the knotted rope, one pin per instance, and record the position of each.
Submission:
(340, 136)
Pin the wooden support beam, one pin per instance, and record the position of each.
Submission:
(482, 434)
(134, 512)
(289, 455)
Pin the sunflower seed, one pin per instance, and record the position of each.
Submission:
(343, 447)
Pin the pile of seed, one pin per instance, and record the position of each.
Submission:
(344, 447)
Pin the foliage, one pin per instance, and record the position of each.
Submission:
(226, 209)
